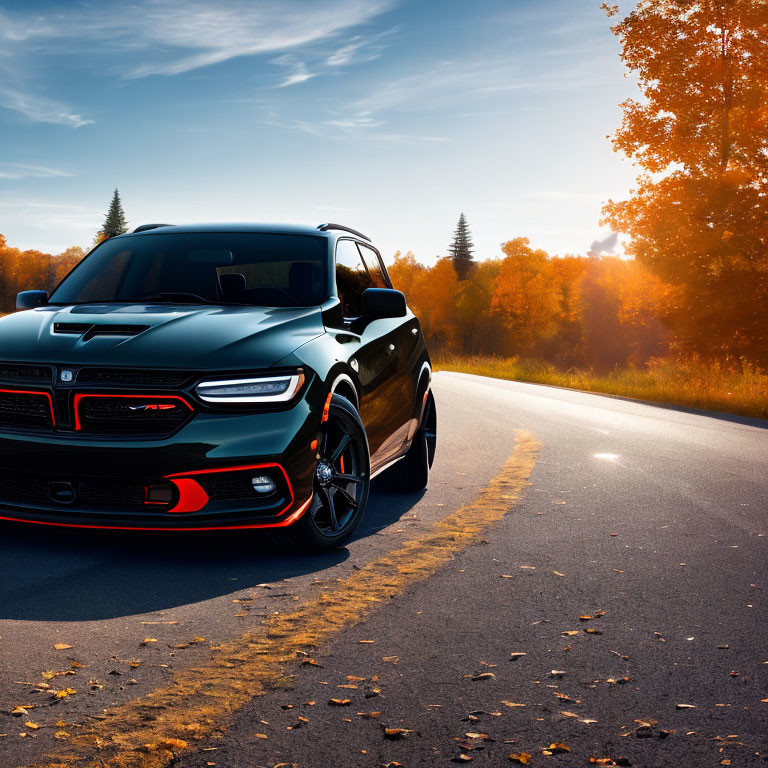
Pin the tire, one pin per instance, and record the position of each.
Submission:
(411, 473)
(342, 483)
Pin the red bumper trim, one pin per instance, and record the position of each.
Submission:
(292, 518)
(239, 468)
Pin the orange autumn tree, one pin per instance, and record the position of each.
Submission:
(525, 298)
(698, 218)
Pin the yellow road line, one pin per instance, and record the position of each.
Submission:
(151, 731)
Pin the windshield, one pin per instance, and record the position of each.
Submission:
(217, 268)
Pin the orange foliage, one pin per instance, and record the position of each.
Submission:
(591, 311)
(22, 270)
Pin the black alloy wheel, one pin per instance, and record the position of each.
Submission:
(341, 481)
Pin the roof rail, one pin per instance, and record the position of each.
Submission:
(342, 228)
(147, 227)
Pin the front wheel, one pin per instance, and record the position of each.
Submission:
(341, 482)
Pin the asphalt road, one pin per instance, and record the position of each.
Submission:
(653, 521)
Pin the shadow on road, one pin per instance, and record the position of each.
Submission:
(67, 574)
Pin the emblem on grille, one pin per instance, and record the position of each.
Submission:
(152, 407)
(66, 375)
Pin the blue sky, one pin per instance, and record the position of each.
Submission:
(391, 117)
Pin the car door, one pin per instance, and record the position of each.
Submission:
(372, 354)
(402, 338)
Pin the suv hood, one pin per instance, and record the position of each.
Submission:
(157, 335)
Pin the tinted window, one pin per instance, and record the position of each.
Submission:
(371, 259)
(352, 278)
(221, 268)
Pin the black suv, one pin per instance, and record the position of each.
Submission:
(213, 377)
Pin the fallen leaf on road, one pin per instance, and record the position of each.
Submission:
(528, 567)
(515, 655)
(391, 659)
(32, 726)
(61, 735)
(557, 573)
(396, 733)
(557, 673)
(569, 714)
(61, 646)
(686, 706)
(368, 715)
(62, 694)
(723, 647)
(556, 748)
(339, 702)
(21, 709)
(565, 697)
(461, 759)
(512, 704)
(594, 631)
(260, 735)
(481, 676)
(570, 632)
(520, 757)
(148, 640)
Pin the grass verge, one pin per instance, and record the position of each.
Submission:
(691, 384)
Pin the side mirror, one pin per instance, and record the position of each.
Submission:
(31, 299)
(383, 302)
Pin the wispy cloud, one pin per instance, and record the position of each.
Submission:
(13, 171)
(165, 37)
(41, 109)
(298, 74)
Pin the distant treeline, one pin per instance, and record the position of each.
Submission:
(23, 270)
(597, 312)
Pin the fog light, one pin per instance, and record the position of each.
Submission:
(263, 484)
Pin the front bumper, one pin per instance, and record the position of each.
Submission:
(201, 474)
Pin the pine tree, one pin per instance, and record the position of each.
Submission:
(114, 222)
(460, 250)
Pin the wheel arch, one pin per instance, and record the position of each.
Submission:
(342, 384)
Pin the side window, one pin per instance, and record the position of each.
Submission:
(352, 278)
(371, 259)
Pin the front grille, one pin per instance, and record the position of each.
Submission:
(131, 415)
(25, 409)
(132, 378)
(28, 373)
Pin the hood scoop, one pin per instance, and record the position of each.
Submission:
(88, 330)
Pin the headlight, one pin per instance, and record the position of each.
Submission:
(266, 389)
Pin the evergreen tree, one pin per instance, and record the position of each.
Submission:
(460, 251)
(114, 222)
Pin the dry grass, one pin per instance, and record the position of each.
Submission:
(691, 384)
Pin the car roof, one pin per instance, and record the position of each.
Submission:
(254, 227)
